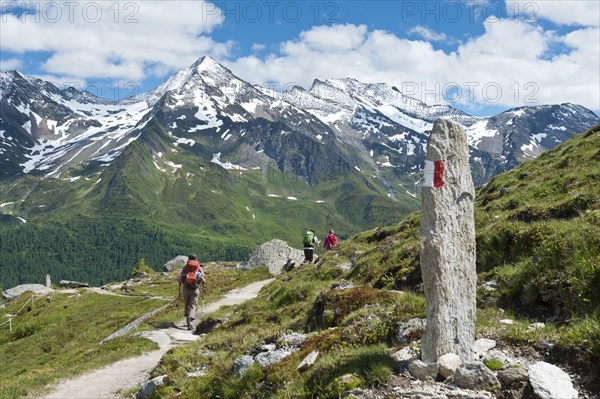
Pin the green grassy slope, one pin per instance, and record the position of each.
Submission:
(538, 234)
(57, 335)
(97, 227)
(547, 269)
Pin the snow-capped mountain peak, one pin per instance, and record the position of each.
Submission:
(207, 63)
(46, 129)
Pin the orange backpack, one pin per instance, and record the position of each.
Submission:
(190, 279)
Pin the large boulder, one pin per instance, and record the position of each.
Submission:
(148, 389)
(271, 357)
(511, 375)
(475, 375)
(19, 290)
(274, 254)
(176, 263)
(548, 381)
(404, 356)
(308, 361)
(423, 371)
(241, 364)
(448, 364)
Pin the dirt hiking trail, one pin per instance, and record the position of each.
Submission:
(111, 381)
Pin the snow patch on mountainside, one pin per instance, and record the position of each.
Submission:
(181, 140)
(225, 165)
(375, 123)
(477, 131)
(532, 149)
(108, 124)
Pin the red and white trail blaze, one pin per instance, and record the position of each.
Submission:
(434, 174)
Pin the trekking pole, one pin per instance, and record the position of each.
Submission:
(202, 314)
(177, 300)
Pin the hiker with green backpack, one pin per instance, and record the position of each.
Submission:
(310, 242)
(192, 278)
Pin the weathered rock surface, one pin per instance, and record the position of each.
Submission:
(481, 346)
(267, 354)
(499, 356)
(434, 391)
(274, 254)
(448, 364)
(308, 361)
(293, 339)
(271, 357)
(511, 375)
(423, 371)
(407, 327)
(536, 326)
(490, 285)
(404, 355)
(176, 263)
(549, 382)
(447, 245)
(72, 284)
(19, 290)
(242, 364)
(133, 325)
(149, 387)
(197, 373)
(475, 375)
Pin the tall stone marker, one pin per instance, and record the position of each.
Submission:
(447, 245)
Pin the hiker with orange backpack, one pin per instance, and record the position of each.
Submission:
(191, 277)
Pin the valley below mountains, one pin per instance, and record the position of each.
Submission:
(211, 163)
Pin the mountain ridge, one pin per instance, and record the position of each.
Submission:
(210, 161)
(366, 109)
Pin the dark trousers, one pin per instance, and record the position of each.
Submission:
(308, 254)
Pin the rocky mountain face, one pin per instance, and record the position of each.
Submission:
(343, 151)
(335, 126)
(390, 129)
(45, 130)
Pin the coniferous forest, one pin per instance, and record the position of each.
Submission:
(97, 251)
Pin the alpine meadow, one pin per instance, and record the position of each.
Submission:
(300, 199)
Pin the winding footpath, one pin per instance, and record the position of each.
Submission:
(112, 380)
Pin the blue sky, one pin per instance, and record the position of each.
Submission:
(477, 55)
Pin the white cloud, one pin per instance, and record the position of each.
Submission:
(427, 33)
(508, 65)
(574, 12)
(63, 82)
(90, 39)
(257, 47)
(322, 38)
(10, 64)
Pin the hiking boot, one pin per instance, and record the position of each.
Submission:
(189, 324)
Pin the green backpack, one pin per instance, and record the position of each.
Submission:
(308, 239)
